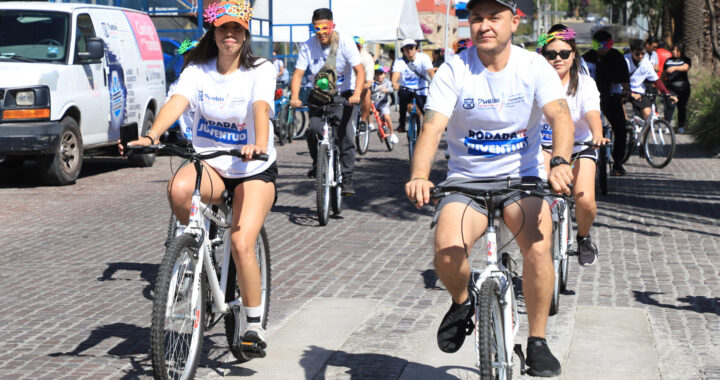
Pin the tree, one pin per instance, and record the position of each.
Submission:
(693, 29)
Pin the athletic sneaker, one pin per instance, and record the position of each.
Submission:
(372, 127)
(253, 342)
(312, 173)
(587, 252)
(362, 126)
(456, 324)
(540, 360)
(618, 171)
(394, 139)
(347, 186)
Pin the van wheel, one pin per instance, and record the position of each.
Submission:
(63, 167)
(144, 160)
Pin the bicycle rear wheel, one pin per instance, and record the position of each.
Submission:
(413, 132)
(322, 186)
(490, 333)
(659, 144)
(176, 332)
(279, 130)
(388, 143)
(232, 292)
(629, 142)
(336, 191)
(300, 117)
(564, 263)
(557, 261)
(362, 139)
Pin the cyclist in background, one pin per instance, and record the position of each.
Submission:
(651, 44)
(641, 70)
(348, 67)
(560, 50)
(369, 66)
(381, 90)
(414, 70)
(232, 92)
(607, 66)
(490, 97)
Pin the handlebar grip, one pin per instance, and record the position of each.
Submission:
(261, 157)
(142, 148)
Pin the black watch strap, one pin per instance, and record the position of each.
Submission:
(557, 161)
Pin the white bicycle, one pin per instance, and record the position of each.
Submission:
(496, 311)
(183, 306)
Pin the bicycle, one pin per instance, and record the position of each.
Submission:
(182, 299)
(496, 312)
(658, 138)
(604, 160)
(383, 129)
(413, 130)
(328, 178)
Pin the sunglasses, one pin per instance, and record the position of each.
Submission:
(551, 54)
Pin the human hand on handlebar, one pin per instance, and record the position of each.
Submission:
(418, 191)
(249, 150)
(600, 140)
(143, 141)
(560, 179)
(354, 99)
(295, 103)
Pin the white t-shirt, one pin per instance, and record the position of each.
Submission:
(409, 78)
(186, 120)
(279, 66)
(313, 55)
(640, 73)
(368, 64)
(586, 99)
(494, 128)
(653, 57)
(223, 112)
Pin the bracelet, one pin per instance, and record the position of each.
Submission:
(148, 135)
(422, 178)
(152, 142)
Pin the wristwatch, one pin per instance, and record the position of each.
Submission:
(557, 161)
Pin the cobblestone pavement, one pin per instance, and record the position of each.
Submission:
(78, 265)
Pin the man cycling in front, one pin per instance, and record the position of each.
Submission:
(491, 97)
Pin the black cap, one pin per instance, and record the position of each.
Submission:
(508, 3)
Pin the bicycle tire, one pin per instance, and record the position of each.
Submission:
(336, 191)
(362, 140)
(321, 185)
(232, 292)
(490, 333)
(300, 117)
(278, 131)
(415, 129)
(171, 230)
(555, 246)
(289, 123)
(388, 143)
(564, 262)
(657, 152)
(176, 276)
(629, 142)
(603, 170)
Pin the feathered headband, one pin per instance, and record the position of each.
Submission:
(565, 35)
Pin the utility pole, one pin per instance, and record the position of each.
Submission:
(447, 21)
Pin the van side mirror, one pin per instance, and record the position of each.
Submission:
(95, 50)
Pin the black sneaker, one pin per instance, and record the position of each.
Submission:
(540, 360)
(347, 186)
(312, 173)
(587, 252)
(362, 126)
(456, 324)
(618, 171)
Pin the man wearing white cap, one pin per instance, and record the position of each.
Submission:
(413, 70)
(490, 97)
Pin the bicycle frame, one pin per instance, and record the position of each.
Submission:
(380, 122)
(328, 138)
(640, 126)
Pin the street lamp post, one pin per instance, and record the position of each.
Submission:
(447, 21)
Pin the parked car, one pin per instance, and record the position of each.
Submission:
(71, 75)
(172, 61)
(591, 17)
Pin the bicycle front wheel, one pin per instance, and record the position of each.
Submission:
(557, 266)
(178, 315)
(629, 142)
(322, 185)
(232, 292)
(362, 140)
(490, 333)
(300, 117)
(388, 142)
(602, 172)
(413, 132)
(659, 144)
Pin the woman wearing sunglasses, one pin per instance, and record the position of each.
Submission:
(558, 47)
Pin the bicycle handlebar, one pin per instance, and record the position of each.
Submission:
(533, 188)
(189, 154)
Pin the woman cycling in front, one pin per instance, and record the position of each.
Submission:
(232, 93)
(558, 47)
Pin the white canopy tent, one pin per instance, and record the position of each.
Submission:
(373, 20)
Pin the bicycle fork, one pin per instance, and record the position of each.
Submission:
(332, 179)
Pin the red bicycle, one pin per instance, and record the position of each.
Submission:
(384, 131)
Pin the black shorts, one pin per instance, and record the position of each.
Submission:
(270, 175)
(639, 105)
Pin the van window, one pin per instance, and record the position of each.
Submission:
(83, 32)
(33, 36)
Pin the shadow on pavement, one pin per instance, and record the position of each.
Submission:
(302, 216)
(698, 304)
(27, 174)
(148, 272)
(430, 279)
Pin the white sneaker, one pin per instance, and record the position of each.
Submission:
(394, 139)
(254, 342)
(372, 127)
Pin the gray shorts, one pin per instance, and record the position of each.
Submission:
(498, 201)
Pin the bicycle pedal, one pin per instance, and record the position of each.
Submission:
(571, 253)
(253, 349)
(519, 353)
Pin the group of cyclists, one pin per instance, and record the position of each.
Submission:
(507, 114)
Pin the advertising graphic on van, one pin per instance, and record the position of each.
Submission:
(118, 93)
(147, 40)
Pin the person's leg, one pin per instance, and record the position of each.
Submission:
(585, 209)
(315, 127)
(683, 98)
(182, 185)
(669, 106)
(456, 221)
(346, 138)
(404, 98)
(365, 105)
(420, 101)
(613, 109)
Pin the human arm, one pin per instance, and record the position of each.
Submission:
(395, 80)
(295, 88)
(261, 118)
(359, 84)
(418, 188)
(558, 116)
(168, 114)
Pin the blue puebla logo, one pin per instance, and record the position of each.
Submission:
(546, 133)
(489, 144)
(223, 132)
(468, 103)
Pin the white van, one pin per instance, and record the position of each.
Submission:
(70, 76)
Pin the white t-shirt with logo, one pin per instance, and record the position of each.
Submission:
(494, 128)
(409, 78)
(640, 73)
(313, 55)
(223, 112)
(586, 99)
